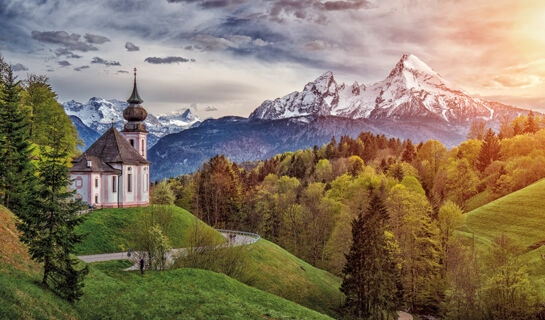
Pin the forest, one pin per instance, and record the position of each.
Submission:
(309, 202)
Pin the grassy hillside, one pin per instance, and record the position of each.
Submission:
(114, 294)
(520, 216)
(108, 230)
(285, 275)
(273, 269)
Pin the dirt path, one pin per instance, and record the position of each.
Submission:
(404, 316)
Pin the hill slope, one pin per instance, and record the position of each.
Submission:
(520, 216)
(114, 294)
(278, 271)
(108, 230)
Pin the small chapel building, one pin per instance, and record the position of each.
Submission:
(114, 171)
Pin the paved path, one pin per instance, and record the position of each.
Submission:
(234, 239)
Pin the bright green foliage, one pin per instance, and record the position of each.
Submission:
(45, 112)
(371, 272)
(323, 172)
(458, 182)
(162, 194)
(417, 236)
(449, 219)
(508, 292)
(111, 230)
(16, 167)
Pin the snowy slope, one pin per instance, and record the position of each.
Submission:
(98, 114)
(412, 90)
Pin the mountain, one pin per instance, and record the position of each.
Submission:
(86, 134)
(412, 102)
(412, 90)
(98, 114)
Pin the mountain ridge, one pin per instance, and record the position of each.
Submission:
(412, 90)
(99, 113)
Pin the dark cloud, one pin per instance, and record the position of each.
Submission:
(346, 5)
(69, 41)
(210, 109)
(81, 68)
(64, 63)
(211, 4)
(167, 60)
(98, 60)
(95, 38)
(131, 46)
(67, 53)
(18, 67)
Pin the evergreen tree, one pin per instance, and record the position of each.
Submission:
(50, 218)
(371, 274)
(530, 126)
(409, 154)
(490, 150)
(16, 167)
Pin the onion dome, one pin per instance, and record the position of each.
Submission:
(135, 113)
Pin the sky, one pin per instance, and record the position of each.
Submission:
(225, 57)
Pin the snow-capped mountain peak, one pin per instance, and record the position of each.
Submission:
(412, 90)
(98, 114)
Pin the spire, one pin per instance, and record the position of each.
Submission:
(135, 98)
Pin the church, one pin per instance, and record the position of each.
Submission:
(114, 171)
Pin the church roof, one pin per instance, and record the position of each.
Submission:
(111, 147)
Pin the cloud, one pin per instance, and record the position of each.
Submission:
(211, 4)
(67, 53)
(81, 68)
(69, 41)
(167, 60)
(346, 5)
(520, 81)
(315, 45)
(207, 42)
(18, 67)
(64, 63)
(131, 46)
(98, 60)
(210, 109)
(95, 39)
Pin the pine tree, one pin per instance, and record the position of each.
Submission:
(16, 167)
(409, 154)
(49, 220)
(371, 274)
(490, 150)
(530, 126)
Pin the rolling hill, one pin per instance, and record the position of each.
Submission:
(520, 216)
(181, 293)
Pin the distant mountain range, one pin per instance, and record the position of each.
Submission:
(93, 118)
(412, 102)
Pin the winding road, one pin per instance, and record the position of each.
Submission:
(234, 239)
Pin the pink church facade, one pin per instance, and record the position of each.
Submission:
(114, 171)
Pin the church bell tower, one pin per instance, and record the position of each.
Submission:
(135, 130)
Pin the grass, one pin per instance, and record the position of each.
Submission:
(112, 293)
(285, 275)
(108, 230)
(520, 216)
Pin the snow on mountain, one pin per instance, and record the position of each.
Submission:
(98, 114)
(412, 90)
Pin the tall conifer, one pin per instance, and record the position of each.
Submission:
(16, 167)
(50, 219)
(371, 273)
